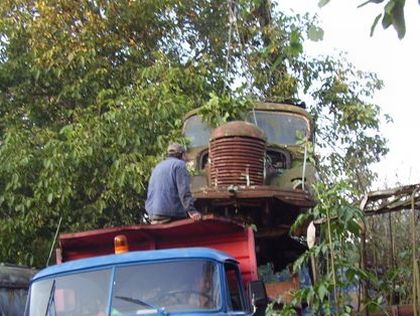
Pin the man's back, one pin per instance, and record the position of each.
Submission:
(168, 193)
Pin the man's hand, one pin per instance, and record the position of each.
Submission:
(195, 215)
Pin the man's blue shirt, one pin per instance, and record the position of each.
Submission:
(169, 192)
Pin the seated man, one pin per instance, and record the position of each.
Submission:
(168, 196)
(202, 295)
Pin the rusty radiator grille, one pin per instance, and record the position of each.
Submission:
(237, 160)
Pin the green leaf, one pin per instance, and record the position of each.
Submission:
(315, 33)
(89, 151)
(322, 3)
(37, 74)
(386, 20)
(370, 1)
(70, 57)
(254, 227)
(398, 20)
(389, 7)
(353, 227)
(49, 198)
(322, 291)
(375, 22)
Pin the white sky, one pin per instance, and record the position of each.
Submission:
(397, 63)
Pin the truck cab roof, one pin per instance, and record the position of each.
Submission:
(134, 257)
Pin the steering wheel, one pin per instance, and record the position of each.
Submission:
(183, 297)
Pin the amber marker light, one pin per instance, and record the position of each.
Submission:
(120, 244)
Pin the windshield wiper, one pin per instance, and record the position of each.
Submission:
(160, 310)
(51, 298)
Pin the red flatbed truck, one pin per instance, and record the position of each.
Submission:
(213, 232)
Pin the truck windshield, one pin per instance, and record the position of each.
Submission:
(280, 128)
(171, 286)
(197, 131)
(138, 289)
(83, 294)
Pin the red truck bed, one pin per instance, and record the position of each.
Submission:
(214, 232)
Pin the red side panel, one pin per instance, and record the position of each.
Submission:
(214, 232)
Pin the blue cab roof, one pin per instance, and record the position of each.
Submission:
(133, 257)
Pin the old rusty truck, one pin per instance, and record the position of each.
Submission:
(256, 170)
(251, 179)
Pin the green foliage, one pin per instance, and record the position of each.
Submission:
(343, 116)
(393, 14)
(390, 254)
(218, 110)
(315, 33)
(93, 171)
(336, 254)
(91, 92)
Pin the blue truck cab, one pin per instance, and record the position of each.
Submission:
(184, 281)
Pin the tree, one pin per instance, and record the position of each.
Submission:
(91, 92)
